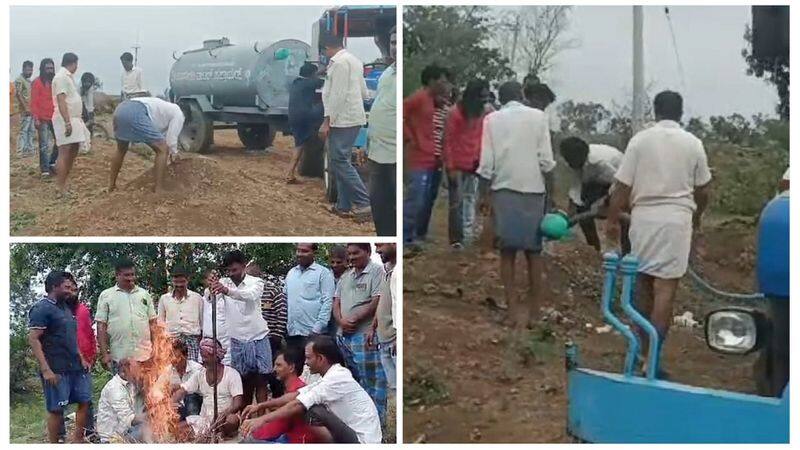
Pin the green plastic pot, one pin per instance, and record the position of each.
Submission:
(555, 226)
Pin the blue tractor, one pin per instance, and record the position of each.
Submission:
(624, 408)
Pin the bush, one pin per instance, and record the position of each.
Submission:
(22, 367)
(745, 179)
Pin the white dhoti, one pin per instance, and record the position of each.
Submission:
(79, 135)
(661, 238)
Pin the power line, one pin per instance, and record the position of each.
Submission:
(675, 48)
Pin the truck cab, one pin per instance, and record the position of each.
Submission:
(350, 22)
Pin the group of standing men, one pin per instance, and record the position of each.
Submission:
(653, 195)
(305, 360)
(339, 121)
(61, 111)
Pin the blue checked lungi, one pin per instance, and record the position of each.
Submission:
(133, 124)
(365, 364)
(249, 357)
(193, 344)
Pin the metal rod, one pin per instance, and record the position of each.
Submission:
(214, 369)
(610, 267)
(637, 121)
(630, 266)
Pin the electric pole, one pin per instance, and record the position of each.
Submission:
(637, 122)
(136, 50)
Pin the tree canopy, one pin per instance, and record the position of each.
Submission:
(93, 265)
(456, 37)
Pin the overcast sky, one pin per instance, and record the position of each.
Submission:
(709, 41)
(99, 35)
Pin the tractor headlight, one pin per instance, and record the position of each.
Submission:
(735, 331)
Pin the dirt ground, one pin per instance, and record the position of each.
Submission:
(224, 193)
(468, 378)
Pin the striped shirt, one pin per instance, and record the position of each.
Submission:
(439, 118)
(273, 305)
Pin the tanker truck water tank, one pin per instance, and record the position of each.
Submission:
(772, 254)
(240, 75)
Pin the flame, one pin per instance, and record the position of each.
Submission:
(158, 393)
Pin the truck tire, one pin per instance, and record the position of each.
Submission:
(327, 175)
(255, 136)
(312, 164)
(198, 131)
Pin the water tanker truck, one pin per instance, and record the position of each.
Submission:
(246, 87)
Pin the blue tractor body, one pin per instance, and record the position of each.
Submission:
(626, 408)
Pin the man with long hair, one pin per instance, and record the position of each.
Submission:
(42, 112)
(461, 155)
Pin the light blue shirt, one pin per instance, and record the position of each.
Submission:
(382, 135)
(309, 298)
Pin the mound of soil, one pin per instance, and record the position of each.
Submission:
(226, 193)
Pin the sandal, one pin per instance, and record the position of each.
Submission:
(338, 212)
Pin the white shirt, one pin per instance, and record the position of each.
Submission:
(344, 91)
(347, 400)
(116, 408)
(167, 118)
(64, 83)
(602, 163)
(308, 377)
(132, 81)
(228, 387)
(662, 165)
(393, 290)
(192, 367)
(516, 149)
(243, 317)
(222, 327)
(181, 316)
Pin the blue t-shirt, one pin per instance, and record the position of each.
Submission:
(60, 338)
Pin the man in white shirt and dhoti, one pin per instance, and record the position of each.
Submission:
(68, 127)
(151, 121)
(664, 181)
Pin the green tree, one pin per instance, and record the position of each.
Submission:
(697, 127)
(455, 37)
(584, 118)
(92, 265)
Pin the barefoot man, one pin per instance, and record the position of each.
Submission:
(516, 170)
(151, 121)
(68, 127)
(664, 179)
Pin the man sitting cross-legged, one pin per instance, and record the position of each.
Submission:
(293, 430)
(229, 396)
(339, 409)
